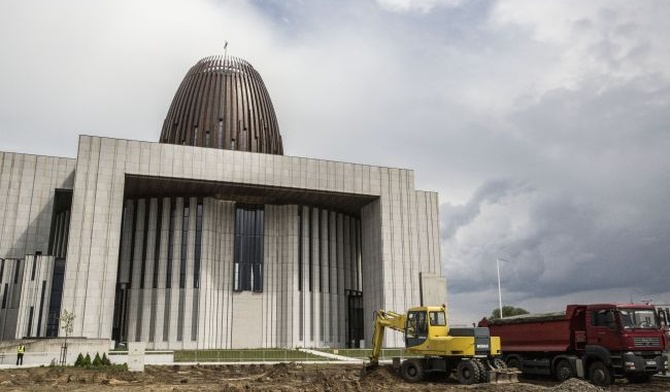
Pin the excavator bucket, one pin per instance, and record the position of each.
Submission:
(503, 376)
(499, 373)
(367, 369)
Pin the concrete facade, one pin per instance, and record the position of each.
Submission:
(27, 185)
(332, 232)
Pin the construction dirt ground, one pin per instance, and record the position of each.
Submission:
(289, 377)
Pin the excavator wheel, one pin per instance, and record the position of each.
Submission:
(412, 370)
(468, 372)
(483, 371)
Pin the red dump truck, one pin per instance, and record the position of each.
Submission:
(598, 342)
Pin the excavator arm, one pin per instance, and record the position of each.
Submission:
(384, 319)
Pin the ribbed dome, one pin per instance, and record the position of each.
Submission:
(223, 103)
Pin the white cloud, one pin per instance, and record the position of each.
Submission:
(416, 5)
(612, 41)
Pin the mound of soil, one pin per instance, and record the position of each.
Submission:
(286, 377)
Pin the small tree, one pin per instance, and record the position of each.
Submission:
(507, 311)
(105, 360)
(66, 321)
(87, 360)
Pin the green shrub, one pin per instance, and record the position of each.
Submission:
(87, 360)
(80, 360)
(105, 360)
(97, 362)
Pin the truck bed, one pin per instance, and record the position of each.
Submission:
(546, 332)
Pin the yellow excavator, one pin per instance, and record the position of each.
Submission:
(432, 347)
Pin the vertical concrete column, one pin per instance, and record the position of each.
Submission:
(316, 277)
(161, 292)
(304, 298)
(22, 209)
(290, 222)
(6, 176)
(126, 249)
(411, 265)
(174, 281)
(228, 239)
(205, 298)
(324, 302)
(281, 316)
(218, 294)
(349, 272)
(225, 241)
(134, 308)
(216, 274)
(341, 281)
(188, 291)
(147, 333)
(269, 262)
(287, 315)
(371, 252)
(427, 223)
(333, 273)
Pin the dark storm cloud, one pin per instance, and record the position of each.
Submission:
(592, 215)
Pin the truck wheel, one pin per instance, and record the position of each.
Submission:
(600, 375)
(412, 370)
(564, 370)
(468, 372)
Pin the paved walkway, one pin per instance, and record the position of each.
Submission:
(332, 356)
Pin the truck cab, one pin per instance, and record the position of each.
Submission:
(628, 336)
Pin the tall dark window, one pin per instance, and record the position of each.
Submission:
(300, 237)
(30, 321)
(184, 246)
(39, 315)
(56, 297)
(145, 234)
(310, 251)
(170, 252)
(16, 271)
(248, 261)
(198, 245)
(32, 273)
(157, 250)
(4, 296)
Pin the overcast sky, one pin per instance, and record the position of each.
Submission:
(543, 125)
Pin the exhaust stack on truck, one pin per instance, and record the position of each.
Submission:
(599, 342)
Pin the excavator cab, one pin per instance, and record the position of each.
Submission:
(422, 323)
